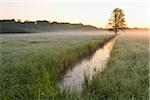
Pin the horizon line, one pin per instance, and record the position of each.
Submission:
(22, 21)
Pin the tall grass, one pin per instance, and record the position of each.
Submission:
(35, 75)
(127, 74)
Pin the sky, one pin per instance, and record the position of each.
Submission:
(88, 12)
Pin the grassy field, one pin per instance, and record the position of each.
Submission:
(127, 74)
(31, 65)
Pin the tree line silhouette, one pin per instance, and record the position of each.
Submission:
(12, 26)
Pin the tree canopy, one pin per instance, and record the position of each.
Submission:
(117, 20)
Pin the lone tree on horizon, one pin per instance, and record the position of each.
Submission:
(117, 20)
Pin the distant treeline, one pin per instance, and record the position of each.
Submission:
(12, 26)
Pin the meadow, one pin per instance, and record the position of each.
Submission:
(32, 64)
(127, 74)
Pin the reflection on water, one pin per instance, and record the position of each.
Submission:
(74, 78)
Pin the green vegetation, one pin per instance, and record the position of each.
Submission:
(31, 65)
(127, 74)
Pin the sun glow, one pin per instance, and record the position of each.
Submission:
(86, 12)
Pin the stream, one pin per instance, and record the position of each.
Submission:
(74, 77)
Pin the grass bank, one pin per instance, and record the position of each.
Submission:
(31, 67)
(127, 74)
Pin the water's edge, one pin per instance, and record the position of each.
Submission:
(74, 78)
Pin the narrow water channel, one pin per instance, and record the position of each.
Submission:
(74, 77)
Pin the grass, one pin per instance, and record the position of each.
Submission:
(35, 73)
(127, 74)
(31, 65)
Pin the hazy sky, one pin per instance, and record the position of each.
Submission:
(93, 12)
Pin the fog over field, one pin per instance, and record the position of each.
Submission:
(136, 33)
(67, 32)
(129, 32)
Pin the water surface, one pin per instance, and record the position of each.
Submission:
(74, 77)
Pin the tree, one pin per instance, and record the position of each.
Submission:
(117, 20)
(19, 20)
